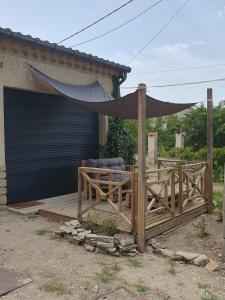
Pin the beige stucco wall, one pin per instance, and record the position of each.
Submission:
(15, 73)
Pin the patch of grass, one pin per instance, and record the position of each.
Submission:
(56, 235)
(109, 226)
(56, 287)
(172, 269)
(201, 227)
(207, 295)
(92, 222)
(134, 263)
(42, 232)
(108, 273)
(141, 287)
(218, 202)
(203, 286)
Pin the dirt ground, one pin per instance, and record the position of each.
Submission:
(61, 270)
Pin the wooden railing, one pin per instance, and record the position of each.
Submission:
(175, 185)
(93, 189)
(170, 191)
(161, 193)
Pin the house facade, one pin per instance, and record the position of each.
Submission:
(43, 136)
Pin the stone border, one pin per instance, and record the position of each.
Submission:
(117, 245)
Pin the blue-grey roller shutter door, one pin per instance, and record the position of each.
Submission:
(46, 137)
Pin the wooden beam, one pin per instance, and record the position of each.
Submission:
(209, 191)
(141, 167)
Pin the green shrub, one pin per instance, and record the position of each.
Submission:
(91, 222)
(109, 226)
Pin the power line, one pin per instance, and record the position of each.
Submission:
(179, 69)
(119, 26)
(158, 33)
(95, 22)
(176, 84)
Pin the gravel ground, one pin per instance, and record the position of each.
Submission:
(60, 270)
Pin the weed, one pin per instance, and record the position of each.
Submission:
(134, 263)
(41, 232)
(201, 227)
(55, 287)
(203, 286)
(57, 236)
(140, 286)
(172, 269)
(108, 273)
(218, 202)
(207, 295)
(109, 226)
(92, 222)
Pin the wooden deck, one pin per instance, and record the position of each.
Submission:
(66, 209)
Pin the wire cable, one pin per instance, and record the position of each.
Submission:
(176, 84)
(117, 27)
(179, 69)
(158, 33)
(95, 22)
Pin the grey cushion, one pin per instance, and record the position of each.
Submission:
(116, 163)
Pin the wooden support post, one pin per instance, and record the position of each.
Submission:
(223, 246)
(209, 191)
(134, 215)
(141, 167)
(79, 211)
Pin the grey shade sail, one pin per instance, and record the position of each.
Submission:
(94, 97)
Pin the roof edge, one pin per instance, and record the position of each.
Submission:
(53, 46)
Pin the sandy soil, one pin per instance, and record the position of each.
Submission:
(55, 261)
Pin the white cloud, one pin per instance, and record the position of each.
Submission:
(221, 13)
(199, 43)
(173, 56)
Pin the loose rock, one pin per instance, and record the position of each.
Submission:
(100, 238)
(212, 266)
(200, 261)
(187, 256)
(73, 223)
(104, 246)
(164, 252)
(89, 248)
(124, 239)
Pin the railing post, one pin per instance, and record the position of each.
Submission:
(79, 211)
(180, 204)
(173, 192)
(134, 211)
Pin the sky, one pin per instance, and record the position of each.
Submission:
(196, 37)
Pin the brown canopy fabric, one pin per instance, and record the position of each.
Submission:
(94, 97)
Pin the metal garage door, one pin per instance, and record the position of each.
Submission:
(46, 137)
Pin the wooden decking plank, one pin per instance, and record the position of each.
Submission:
(169, 224)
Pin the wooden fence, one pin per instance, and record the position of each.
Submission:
(175, 192)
